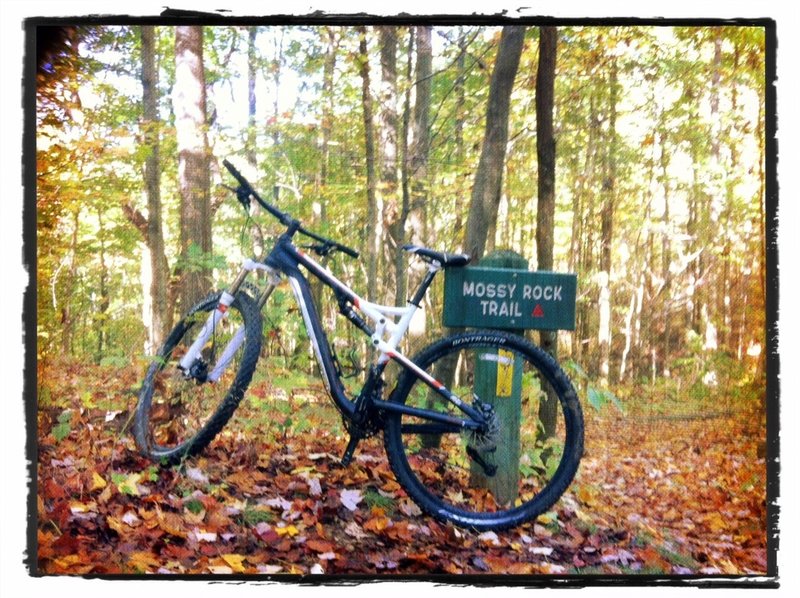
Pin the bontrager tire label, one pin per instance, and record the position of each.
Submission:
(470, 340)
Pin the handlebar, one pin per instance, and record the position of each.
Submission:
(245, 191)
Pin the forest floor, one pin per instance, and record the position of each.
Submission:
(652, 497)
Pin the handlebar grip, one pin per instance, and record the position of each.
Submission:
(348, 251)
(236, 174)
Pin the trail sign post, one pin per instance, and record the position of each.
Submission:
(501, 293)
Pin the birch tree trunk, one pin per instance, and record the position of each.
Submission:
(189, 102)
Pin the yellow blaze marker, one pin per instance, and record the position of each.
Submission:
(505, 373)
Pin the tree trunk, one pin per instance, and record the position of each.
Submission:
(101, 316)
(606, 226)
(189, 101)
(578, 251)
(256, 233)
(461, 113)
(546, 205)
(420, 150)
(320, 205)
(388, 132)
(726, 309)
(277, 63)
(489, 175)
(666, 259)
(250, 145)
(400, 264)
(373, 207)
(160, 309)
(67, 319)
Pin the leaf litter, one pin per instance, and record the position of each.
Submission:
(685, 499)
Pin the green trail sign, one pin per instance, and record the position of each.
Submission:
(480, 297)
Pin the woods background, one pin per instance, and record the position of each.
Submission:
(381, 135)
(374, 138)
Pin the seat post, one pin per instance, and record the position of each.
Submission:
(423, 286)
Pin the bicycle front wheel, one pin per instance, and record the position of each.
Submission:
(179, 412)
(510, 472)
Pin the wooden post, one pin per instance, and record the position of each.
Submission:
(498, 381)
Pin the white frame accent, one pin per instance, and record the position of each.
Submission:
(380, 314)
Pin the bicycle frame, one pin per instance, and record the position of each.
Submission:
(284, 259)
(385, 336)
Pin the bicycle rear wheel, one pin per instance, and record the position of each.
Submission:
(179, 413)
(503, 476)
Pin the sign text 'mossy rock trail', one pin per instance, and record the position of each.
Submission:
(512, 299)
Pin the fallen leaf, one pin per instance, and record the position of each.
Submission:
(279, 503)
(130, 518)
(129, 485)
(79, 507)
(205, 536)
(354, 530)
(289, 530)
(196, 474)
(98, 483)
(143, 560)
(377, 524)
(314, 487)
(235, 562)
(319, 545)
(409, 508)
(350, 499)
(220, 569)
(172, 524)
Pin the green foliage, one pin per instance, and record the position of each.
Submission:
(252, 516)
(676, 558)
(373, 498)
(597, 397)
(151, 473)
(194, 506)
(62, 429)
(197, 260)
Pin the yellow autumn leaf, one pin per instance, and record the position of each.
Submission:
(143, 561)
(98, 483)
(80, 507)
(172, 524)
(235, 561)
(587, 495)
(716, 522)
(115, 524)
(68, 561)
(289, 529)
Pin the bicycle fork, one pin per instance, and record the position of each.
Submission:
(219, 314)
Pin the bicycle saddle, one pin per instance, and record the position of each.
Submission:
(445, 260)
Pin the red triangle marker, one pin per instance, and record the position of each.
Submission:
(538, 312)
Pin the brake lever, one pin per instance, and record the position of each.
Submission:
(322, 250)
(242, 195)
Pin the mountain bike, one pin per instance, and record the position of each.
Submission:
(440, 424)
